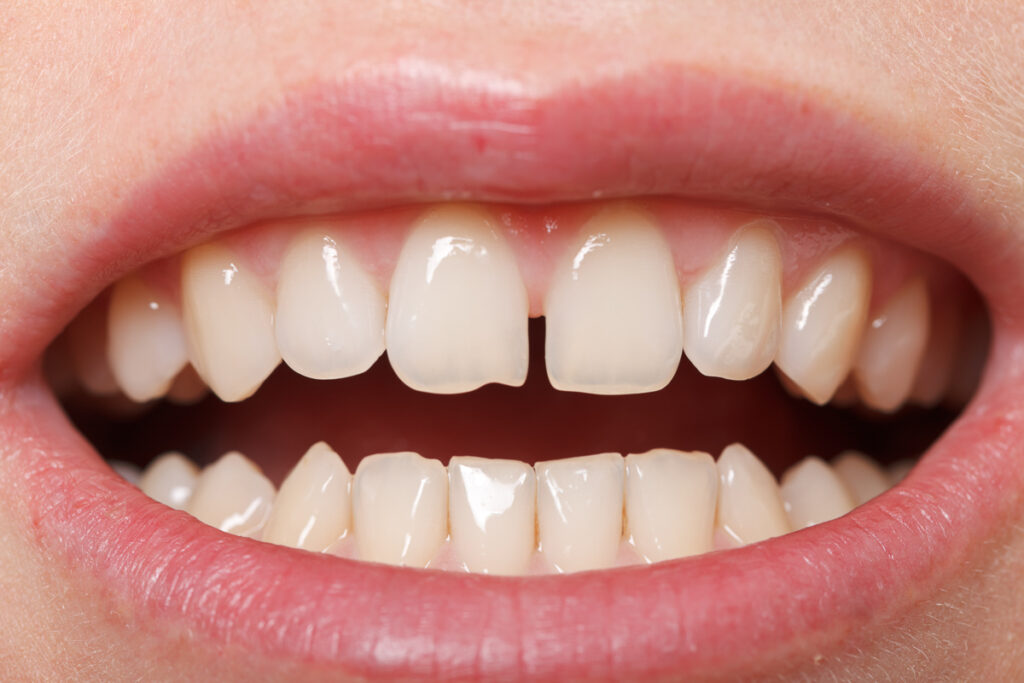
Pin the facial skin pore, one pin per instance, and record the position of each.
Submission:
(96, 96)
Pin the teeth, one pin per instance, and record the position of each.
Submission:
(822, 325)
(731, 315)
(614, 318)
(579, 511)
(312, 508)
(400, 508)
(87, 346)
(670, 503)
(170, 479)
(891, 351)
(492, 514)
(232, 495)
(862, 476)
(330, 314)
(145, 340)
(750, 508)
(813, 493)
(458, 311)
(229, 322)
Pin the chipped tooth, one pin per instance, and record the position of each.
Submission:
(457, 310)
(823, 322)
(670, 503)
(579, 511)
(313, 507)
(229, 322)
(170, 479)
(330, 314)
(87, 346)
(750, 507)
(233, 496)
(492, 513)
(128, 471)
(731, 314)
(813, 493)
(399, 508)
(862, 476)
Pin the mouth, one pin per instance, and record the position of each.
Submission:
(558, 388)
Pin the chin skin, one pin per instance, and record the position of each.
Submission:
(95, 98)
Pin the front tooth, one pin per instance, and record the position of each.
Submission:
(823, 322)
(862, 476)
(613, 313)
(731, 315)
(891, 351)
(313, 506)
(813, 493)
(670, 503)
(229, 322)
(579, 511)
(750, 508)
(170, 479)
(492, 513)
(330, 314)
(145, 340)
(233, 496)
(400, 508)
(457, 309)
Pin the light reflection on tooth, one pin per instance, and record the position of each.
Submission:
(813, 493)
(233, 496)
(750, 508)
(862, 476)
(170, 479)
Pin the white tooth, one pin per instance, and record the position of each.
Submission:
(232, 495)
(750, 507)
(400, 508)
(87, 345)
(229, 322)
(330, 314)
(145, 340)
(613, 313)
(457, 310)
(313, 506)
(813, 493)
(823, 322)
(862, 476)
(731, 315)
(492, 513)
(670, 503)
(170, 479)
(891, 351)
(579, 511)
(128, 471)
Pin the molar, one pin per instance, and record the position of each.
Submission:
(233, 496)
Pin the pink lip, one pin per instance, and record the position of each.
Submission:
(377, 139)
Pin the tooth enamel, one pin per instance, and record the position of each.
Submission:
(457, 309)
(579, 511)
(613, 313)
(862, 476)
(670, 503)
(492, 513)
(233, 496)
(87, 346)
(330, 314)
(750, 508)
(170, 479)
(892, 347)
(312, 509)
(229, 322)
(145, 340)
(813, 493)
(400, 508)
(823, 322)
(731, 315)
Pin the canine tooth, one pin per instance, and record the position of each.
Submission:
(750, 507)
(457, 310)
(579, 510)
(613, 313)
(813, 493)
(145, 340)
(492, 513)
(330, 313)
(233, 496)
(170, 479)
(862, 476)
(400, 508)
(823, 322)
(87, 346)
(670, 503)
(229, 322)
(731, 315)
